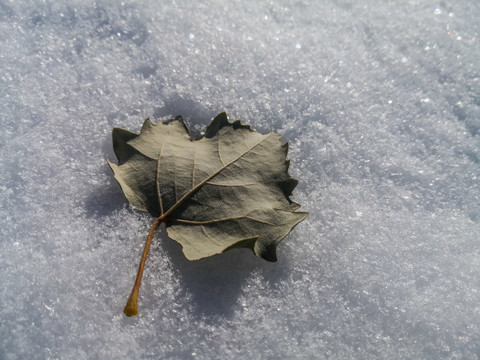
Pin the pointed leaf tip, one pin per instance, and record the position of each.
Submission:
(217, 123)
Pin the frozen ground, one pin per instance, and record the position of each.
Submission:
(380, 101)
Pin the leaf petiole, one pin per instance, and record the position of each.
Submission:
(131, 307)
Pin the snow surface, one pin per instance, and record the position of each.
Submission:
(380, 101)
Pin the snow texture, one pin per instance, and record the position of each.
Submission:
(380, 101)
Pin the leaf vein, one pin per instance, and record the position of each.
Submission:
(209, 237)
(231, 185)
(185, 238)
(214, 221)
(220, 153)
(194, 166)
(157, 181)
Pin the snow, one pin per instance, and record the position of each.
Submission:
(380, 104)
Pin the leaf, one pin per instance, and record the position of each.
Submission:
(228, 189)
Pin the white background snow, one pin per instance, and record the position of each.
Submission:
(380, 101)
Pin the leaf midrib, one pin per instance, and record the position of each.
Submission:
(214, 221)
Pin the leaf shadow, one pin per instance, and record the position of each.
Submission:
(106, 198)
(212, 285)
(195, 115)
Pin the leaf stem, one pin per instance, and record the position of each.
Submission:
(131, 307)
